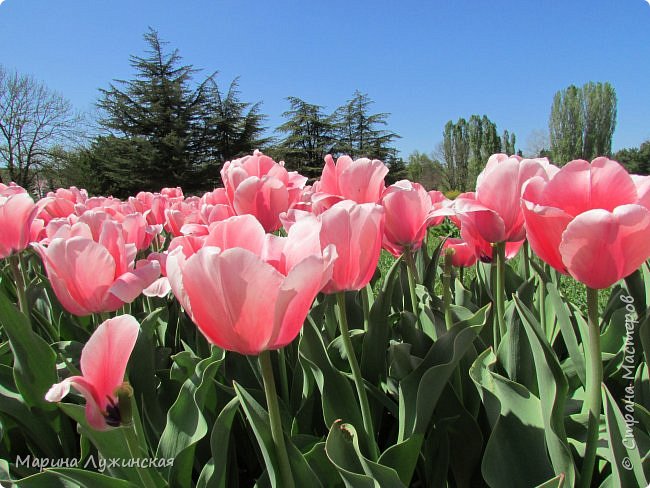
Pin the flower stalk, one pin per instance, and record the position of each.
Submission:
(593, 398)
(274, 418)
(356, 375)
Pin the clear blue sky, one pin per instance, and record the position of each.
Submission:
(425, 62)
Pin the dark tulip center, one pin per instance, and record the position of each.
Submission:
(112, 415)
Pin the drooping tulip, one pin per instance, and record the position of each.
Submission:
(103, 363)
(91, 267)
(248, 291)
(590, 220)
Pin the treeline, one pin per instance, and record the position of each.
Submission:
(169, 127)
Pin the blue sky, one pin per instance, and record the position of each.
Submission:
(424, 62)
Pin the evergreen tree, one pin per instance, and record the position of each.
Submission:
(228, 127)
(636, 159)
(309, 137)
(357, 131)
(151, 118)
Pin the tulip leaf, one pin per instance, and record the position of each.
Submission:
(342, 447)
(568, 332)
(553, 389)
(259, 421)
(110, 443)
(186, 424)
(515, 453)
(337, 395)
(375, 341)
(215, 472)
(421, 389)
(403, 457)
(66, 477)
(624, 456)
(34, 429)
(34, 360)
(557, 482)
(143, 377)
(323, 467)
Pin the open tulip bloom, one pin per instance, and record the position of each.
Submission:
(248, 291)
(91, 267)
(103, 364)
(590, 221)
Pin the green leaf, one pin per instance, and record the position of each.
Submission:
(625, 459)
(110, 443)
(375, 341)
(403, 457)
(186, 424)
(569, 335)
(338, 399)
(557, 482)
(515, 453)
(34, 359)
(35, 429)
(143, 377)
(553, 390)
(214, 473)
(259, 421)
(69, 477)
(342, 447)
(420, 390)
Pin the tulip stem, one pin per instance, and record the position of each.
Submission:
(358, 380)
(592, 393)
(274, 419)
(500, 251)
(446, 287)
(16, 268)
(412, 274)
(526, 261)
(284, 379)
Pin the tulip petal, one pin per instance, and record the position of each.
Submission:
(106, 354)
(581, 186)
(600, 247)
(232, 295)
(81, 271)
(129, 286)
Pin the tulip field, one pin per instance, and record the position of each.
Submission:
(343, 333)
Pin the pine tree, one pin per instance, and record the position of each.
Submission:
(154, 114)
(229, 128)
(309, 137)
(358, 133)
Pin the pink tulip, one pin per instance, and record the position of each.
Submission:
(590, 221)
(62, 202)
(357, 231)
(407, 208)
(258, 186)
(463, 255)
(103, 364)
(494, 210)
(361, 181)
(248, 291)
(91, 267)
(17, 212)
